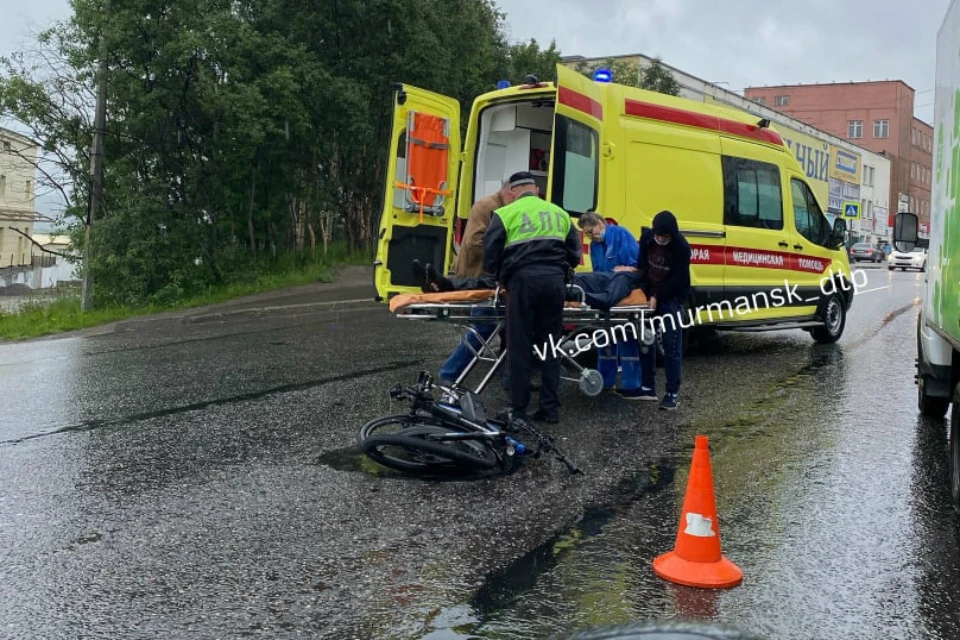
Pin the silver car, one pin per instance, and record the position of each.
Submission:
(916, 259)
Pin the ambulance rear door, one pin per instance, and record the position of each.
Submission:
(575, 156)
(421, 184)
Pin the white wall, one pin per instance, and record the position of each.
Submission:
(875, 200)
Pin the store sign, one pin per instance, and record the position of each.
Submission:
(846, 165)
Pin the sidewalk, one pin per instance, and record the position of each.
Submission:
(352, 287)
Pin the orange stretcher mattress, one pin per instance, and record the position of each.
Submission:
(469, 295)
(635, 298)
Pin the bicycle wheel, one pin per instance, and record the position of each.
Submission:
(410, 450)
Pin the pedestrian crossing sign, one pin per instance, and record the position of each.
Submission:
(851, 210)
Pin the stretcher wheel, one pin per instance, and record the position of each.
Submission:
(591, 382)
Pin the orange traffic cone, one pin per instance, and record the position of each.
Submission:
(696, 560)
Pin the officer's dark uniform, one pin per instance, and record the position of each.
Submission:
(531, 245)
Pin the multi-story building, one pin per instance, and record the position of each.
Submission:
(839, 170)
(17, 185)
(874, 115)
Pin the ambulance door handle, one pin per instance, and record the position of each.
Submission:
(784, 244)
(798, 247)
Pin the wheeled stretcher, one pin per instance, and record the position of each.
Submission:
(581, 325)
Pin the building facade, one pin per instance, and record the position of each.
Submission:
(875, 115)
(839, 170)
(18, 157)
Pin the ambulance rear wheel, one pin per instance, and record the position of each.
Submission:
(833, 314)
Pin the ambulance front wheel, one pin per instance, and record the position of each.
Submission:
(833, 314)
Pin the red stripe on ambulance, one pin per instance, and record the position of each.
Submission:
(580, 102)
(755, 258)
(700, 120)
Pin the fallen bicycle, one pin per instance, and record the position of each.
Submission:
(451, 436)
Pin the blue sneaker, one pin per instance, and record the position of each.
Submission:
(669, 402)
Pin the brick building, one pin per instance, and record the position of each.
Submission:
(875, 115)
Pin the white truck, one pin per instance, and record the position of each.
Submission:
(938, 327)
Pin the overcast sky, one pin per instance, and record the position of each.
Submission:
(737, 42)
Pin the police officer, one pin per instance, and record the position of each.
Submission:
(531, 245)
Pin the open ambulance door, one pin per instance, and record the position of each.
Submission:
(575, 156)
(421, 184)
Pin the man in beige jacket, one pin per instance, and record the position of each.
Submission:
(469, 264)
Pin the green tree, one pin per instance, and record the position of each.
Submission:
(240, 132)
(527, 58)
(656, 77)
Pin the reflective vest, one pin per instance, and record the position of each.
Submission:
(530, 218)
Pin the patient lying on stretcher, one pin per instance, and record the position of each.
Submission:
(601, 290)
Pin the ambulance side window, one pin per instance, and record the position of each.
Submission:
(751, 194)
(810, 221)
(576, 165)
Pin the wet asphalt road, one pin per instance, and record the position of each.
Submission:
(192, 476)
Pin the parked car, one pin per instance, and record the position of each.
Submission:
(903, 260)
(864, 251)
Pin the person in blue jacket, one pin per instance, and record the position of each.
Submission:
(614, 252)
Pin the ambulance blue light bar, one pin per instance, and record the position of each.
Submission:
(503, 84)
(603, 75)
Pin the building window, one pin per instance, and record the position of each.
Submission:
(29, 189)
(782, 101)
(913, 137)
(855, 129)
(913, 170)
(760, 100)
(6, 146)
(3, 185)
(881, 128)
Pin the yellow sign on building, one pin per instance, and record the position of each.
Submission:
(845, 166)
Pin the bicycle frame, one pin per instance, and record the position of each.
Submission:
(480, 428)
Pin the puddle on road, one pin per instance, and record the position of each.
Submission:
(353, 460)
(530, 579)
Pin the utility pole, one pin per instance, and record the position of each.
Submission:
(96, 170)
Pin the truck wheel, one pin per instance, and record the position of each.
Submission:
(955, 449)
(834, 318)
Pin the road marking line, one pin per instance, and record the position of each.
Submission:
(872, 290)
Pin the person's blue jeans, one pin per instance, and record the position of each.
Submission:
(463, 355)
(672, 349)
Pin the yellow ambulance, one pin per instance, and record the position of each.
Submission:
(764, 255)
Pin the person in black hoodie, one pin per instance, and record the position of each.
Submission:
(664, 263)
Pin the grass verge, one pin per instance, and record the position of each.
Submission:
(40, 316)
